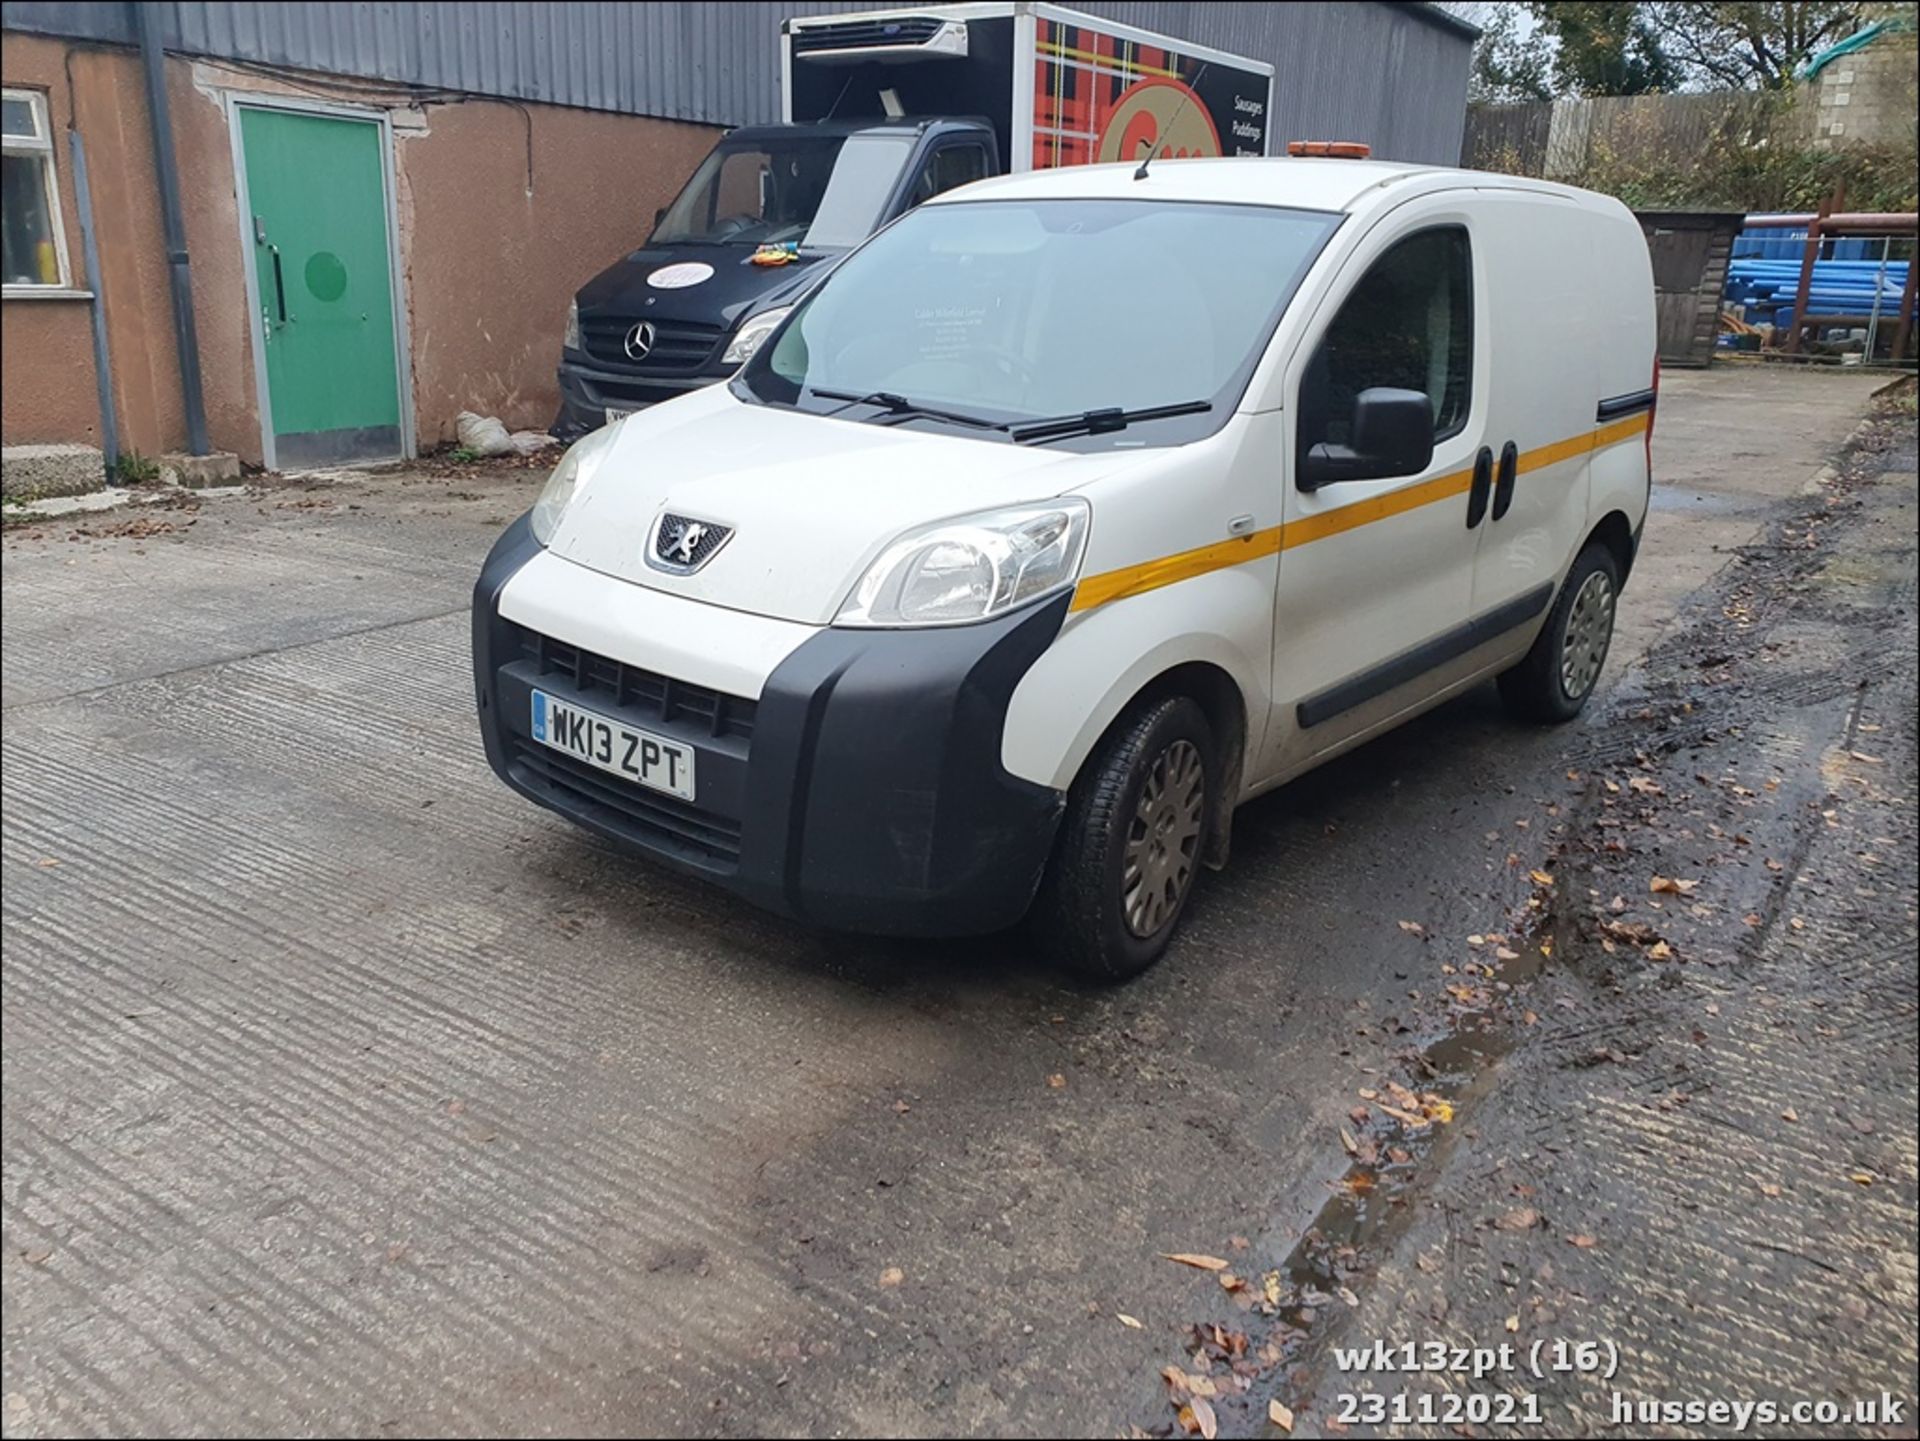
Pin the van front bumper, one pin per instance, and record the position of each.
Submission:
(862, 790)
(588, 392)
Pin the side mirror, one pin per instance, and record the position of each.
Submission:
(1392, 435)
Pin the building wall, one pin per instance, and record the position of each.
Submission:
(504, 210)
(1870, 97)
(1394, 75)
(47, 363)
(530, 153)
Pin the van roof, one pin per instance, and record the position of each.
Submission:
(1304, 184)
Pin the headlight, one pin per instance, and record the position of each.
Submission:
(972, 567)
(570, 337)
(575, 469)
(747, 339)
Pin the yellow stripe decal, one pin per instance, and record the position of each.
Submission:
(1112, 585)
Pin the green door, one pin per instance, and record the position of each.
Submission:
(317, 195)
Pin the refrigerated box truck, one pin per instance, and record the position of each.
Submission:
(881, 112)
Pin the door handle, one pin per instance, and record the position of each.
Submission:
(279, 284)
(1509, 472)
(1482, 486)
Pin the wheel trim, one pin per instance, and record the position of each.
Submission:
(1163, 839)
(1583, 648)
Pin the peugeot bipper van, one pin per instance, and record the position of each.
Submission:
(1072, 510)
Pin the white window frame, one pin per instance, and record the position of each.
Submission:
(40, 146)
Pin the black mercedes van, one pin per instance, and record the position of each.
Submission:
(768, 212)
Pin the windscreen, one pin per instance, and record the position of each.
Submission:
(821, 191)
(1014, 311)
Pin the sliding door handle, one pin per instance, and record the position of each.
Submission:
(1482, 486)
(1509, 472)
(279, 284)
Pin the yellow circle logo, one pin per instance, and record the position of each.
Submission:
(1158, 117)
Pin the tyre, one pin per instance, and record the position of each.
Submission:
(1554, 680)
(1130, 843)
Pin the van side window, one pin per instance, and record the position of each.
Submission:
(1408, 323)
(947, 167)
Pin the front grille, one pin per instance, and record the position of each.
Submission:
(862, 34)
(641, 815)
(631, 688)
(679, 347)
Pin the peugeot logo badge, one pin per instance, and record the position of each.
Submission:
(639, 341)
(680, 544)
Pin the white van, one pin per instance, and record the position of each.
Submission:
(1072, 510)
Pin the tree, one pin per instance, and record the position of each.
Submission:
(1749, 44)
(1509, 63)
(1606, 47)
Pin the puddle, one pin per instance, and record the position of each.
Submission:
(1403, 1143)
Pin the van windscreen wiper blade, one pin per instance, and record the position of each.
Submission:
(1099, 422)
(899, 405)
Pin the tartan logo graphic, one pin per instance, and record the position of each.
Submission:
(1097, 97)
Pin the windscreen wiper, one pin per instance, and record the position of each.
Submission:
(1099, 422)
(899, 405)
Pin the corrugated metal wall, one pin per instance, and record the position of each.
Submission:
(1386, 74)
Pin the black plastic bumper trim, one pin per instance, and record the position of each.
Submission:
(870, 796)
(1410, 665)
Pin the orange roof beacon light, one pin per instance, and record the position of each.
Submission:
(1331, 149)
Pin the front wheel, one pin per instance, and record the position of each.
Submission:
(1131, 843)
(1554, 680)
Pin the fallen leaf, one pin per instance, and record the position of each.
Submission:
(1347, 1296)
(1190, 1258)
(1769, 1190)
(1413, 928)
(901, 1108)
(1659, 951)
(1645, 786)
(1585, 1243)
(1541, 878)
(1861, 1178)
(1280, 1416)
(1057, 1081)
(1202, 1385)
(1126, 1320)
(1513, 1323)
(1427, 1262)
(1176, 1378)
(1789, 1114)
(1668, 886)
(1346, 1139)
(1520, 1218)
(1406, 1118)
(1502, 953)
(47, 862)
(1229, 1282)
(892, 1276)
(1270, 1287)
(1203, 1415)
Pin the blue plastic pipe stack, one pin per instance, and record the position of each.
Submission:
(1764, 274)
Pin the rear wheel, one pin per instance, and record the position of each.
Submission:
(1554, 680)
(1131, 843)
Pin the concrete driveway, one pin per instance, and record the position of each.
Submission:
(345, 1092)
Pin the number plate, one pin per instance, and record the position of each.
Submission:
(613, 415)
(652, 761)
